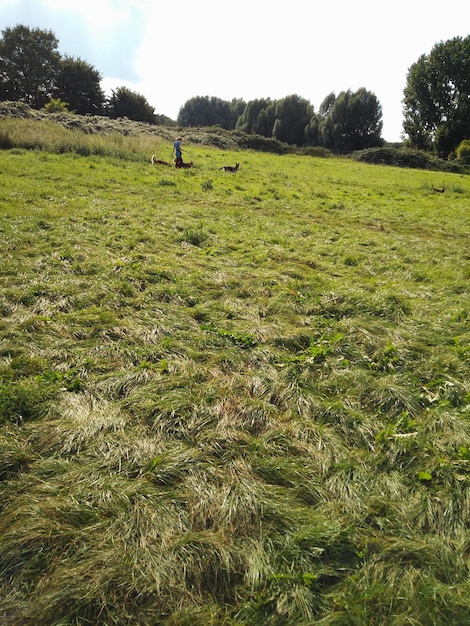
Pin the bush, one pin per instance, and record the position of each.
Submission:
(463, 152)
(261, 144)
(317, 151)
(404, 157)
(56, 105)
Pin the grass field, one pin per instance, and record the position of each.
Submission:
(232, 399)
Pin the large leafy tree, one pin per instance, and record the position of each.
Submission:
(313, 131)
(353, 121)
(327, 104)
(237, 106)
(210, 111)
(78, 84)
(293, 115)
(254, 118)
(437, 97)
(285, 119)
(28, 65)
(127, 103)
(198, 111)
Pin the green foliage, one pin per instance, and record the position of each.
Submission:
(436, 97)
(78, 83)
(260, 143)
(347, 122)
(28, 65)
(405, 157)
(194, 236)
(257, 117)
(127, 103)
(352, 121)
(205, 111)
(463, 151)
(55, 105)
(245, 340)
(293, 115)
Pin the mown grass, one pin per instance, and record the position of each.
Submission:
(232, 399)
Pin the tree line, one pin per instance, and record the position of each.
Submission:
(349, 121)
(436, 99)
(33, 71)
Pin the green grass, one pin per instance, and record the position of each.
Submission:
(232, 399)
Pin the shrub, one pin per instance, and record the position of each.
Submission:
(404, 157)
(55, 105)
(194, 236)
(463, 151)
(261, 144)
(316, 151)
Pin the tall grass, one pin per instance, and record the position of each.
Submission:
(243, 402)
(49, 136)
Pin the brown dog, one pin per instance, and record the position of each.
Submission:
(156, 161)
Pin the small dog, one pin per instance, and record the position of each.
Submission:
(184, 165)
(230, 168)
(156, 161)
(441, 190)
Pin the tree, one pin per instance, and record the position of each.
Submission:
(353, 121)
(266, 120)
(79, 84)
(437, 98)
(237, 106)
(293, 115)
(313, 132)
(258, 117)
(28, 65)
(327, 104)
(126, 103)
(248, 120)
(210, 111)
(196, 111)
(286, 119)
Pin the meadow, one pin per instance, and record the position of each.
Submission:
(230, 399)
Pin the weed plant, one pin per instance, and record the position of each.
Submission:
(230, 399)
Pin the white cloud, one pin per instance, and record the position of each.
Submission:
(172, 51)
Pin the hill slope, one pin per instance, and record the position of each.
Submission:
(233, 399)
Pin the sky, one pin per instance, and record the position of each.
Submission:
(170, 52)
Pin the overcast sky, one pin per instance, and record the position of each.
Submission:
(170, 51)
